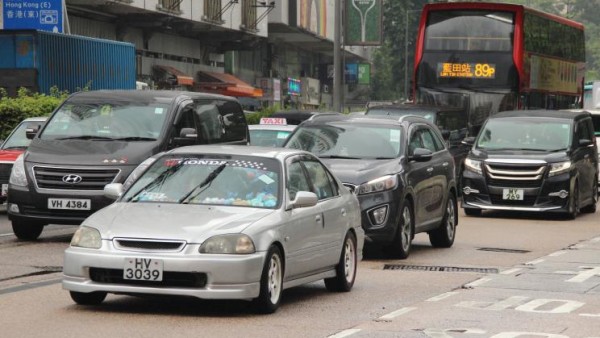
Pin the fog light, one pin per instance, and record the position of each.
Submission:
(379, 215)
(562, 194)
(13, 208)
(467, 191)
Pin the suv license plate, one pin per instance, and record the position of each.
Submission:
(512, 194)
(143, 269)
(69, 204)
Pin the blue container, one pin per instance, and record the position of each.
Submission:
(69, 62)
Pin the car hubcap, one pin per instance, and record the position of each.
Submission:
(274, 279)
(450, 219)
(406, 229)
(349, 260)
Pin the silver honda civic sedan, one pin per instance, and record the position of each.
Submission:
(219, 222)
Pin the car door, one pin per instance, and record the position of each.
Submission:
(442, 172)
(333, 209)
(419, 176)
(303, 230)
(584, 158)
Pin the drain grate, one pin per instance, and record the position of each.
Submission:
(438, 268)
(504, 250)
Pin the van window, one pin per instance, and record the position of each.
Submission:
(220, 121)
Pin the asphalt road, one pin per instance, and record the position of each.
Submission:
(508, 275)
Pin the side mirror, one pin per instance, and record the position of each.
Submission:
(421, 155)
(585, 142)
(304, 199)
(445, 134)
(113, 190)
(187, 136)
(31, 132)
(469, 140)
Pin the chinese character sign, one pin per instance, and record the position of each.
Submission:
(44, 15)
(467, 70)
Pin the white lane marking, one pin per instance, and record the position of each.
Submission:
(510, 271)
(344, 333)
(534, 262)
(478, 282)
(560, 306)
(397, 313)
(558, 253)
(589, 315)
(588, 272)
(442, 296)
(6, 235)
(594, 240)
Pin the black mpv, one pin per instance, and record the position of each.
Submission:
(542, 160)
(400, 170)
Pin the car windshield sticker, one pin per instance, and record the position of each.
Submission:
(282, 134)
(158, 111)
(266, 179)
(248, 164)
(395, 135)
(565, 126)
(106, 110)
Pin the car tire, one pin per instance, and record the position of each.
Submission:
(400, 247)
(27, 231)
(345, 271)
(591, 208)
(443, 237)
(472, 212)
(271, 283)
(573, 203)
(92, 298)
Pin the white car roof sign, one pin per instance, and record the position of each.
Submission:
(273, 120)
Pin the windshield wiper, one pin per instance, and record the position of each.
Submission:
(157, 179)
(86, 137)
(340, 157)
(213, 174)
(135, 138)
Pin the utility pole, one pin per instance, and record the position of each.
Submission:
(337, 58)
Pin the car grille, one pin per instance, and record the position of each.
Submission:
(5, 169)
(515, 175)
(91, 179)
(148, 244)
(171, 279)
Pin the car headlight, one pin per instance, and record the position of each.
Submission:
(378, 184)
(17, 175)
(86, 237)
(137, 172)
(559, 168)
(228, 244)
(473, 165)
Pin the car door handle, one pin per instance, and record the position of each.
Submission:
(445, 164)
(343, 212)
(429, 169)
(318, 218)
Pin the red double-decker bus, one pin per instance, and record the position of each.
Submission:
(490, 57)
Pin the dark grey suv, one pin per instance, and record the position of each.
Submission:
(543, 161)
(400, 170)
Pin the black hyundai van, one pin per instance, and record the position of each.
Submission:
(100, 137)
(533, 160)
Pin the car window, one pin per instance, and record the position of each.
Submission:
(220, 121)
(415, 141)
(583, 130)
(428, 142)
(297, 180)
(268, 138)
(18, 138)
(320, 178)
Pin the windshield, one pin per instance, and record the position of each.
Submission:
(525, 134)
(209, 179)
(107, 120)
(269, 138)
(348, 141)
(18, 139)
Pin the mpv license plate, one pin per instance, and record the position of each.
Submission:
(512, 194)
(69, 204)
(143, 269)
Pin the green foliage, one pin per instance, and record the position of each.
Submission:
(15, 109)
(254, 118)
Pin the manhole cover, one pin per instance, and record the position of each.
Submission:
(438, 268)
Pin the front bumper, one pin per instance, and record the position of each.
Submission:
(549, 194)
(33, 206)
(223, 276)
(380, 233)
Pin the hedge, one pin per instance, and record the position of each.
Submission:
(13, 110)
